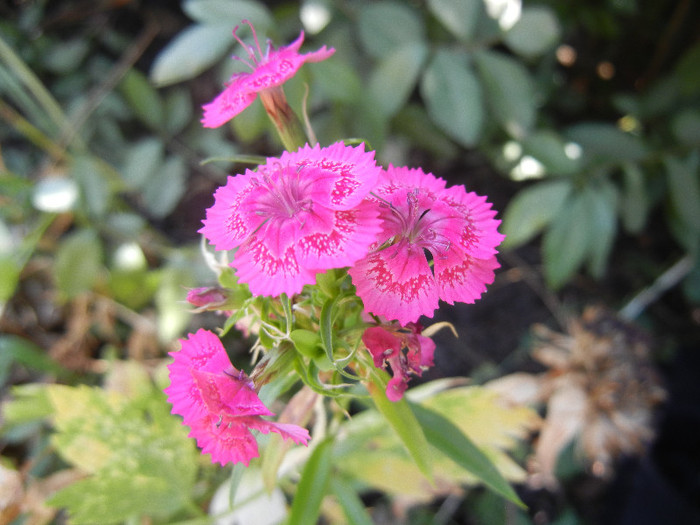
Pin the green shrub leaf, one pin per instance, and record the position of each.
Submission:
(536, 32)
(386, 26)
(458, 16)
(532, 209)
(509, 91)
(453, 97)
(395, 77)
(191, 52)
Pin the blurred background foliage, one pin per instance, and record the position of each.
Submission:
(585, 117)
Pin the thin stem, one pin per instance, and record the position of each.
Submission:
(663, 283)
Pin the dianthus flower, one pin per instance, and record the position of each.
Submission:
(386, 343)
(296, 216)
(420, 215)
(269, 71)
(219, 403)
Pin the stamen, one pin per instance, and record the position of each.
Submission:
(255, 37)
(248, 48)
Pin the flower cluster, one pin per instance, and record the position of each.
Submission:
(399, 238)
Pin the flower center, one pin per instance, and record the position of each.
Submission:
(285, 196)
(416, 224)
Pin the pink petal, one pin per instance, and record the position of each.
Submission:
(225, 444)
(230, 102)
(298, 434)
(229, 396)
(268, 275)
(342, 175)
(395, 388)
(201, 351)
(233, 218)
(478, 234)
(381, 344)
(463, 278)
(396, 283)
(394, 178)
(342, 240)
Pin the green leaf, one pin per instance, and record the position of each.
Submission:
(94, 185)
(29, 402)
(458, 16)
(453, 97)
(138, 455)
(532, 209)
(634, 200)
(509, 91)
(404, 422)
(178, 111)
(10, 271)
(393, 80)
(78, 263)
(143, 99)
(227, 12)
(308, 343)
(536, 32)
(65, 56)
(386, 26)
(602, 206)
(326, 327)
(686, 127)
(687, 71)
(451, 441)
(551, 150)
(16, 349)
(313, 485)
(605, 143)
(566, 243)
(165, 187)
(142, 160)
(353, 507)
(338, 81)
(684, 192)
(191, 52)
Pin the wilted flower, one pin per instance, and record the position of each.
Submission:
(396, 280)
(219, 403)
(269, 71)
(296, 216)
(600, 391)
(386, 344)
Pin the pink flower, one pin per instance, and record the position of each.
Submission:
(386, 343)
(396, 280)
(269, 71)
(219, 403)
(296, 216)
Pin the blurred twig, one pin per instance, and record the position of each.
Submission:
(128, 59)
(663, 283)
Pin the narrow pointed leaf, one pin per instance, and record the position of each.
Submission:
(404, 422)
(451, 441)
(313, 485)
(353, 508)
